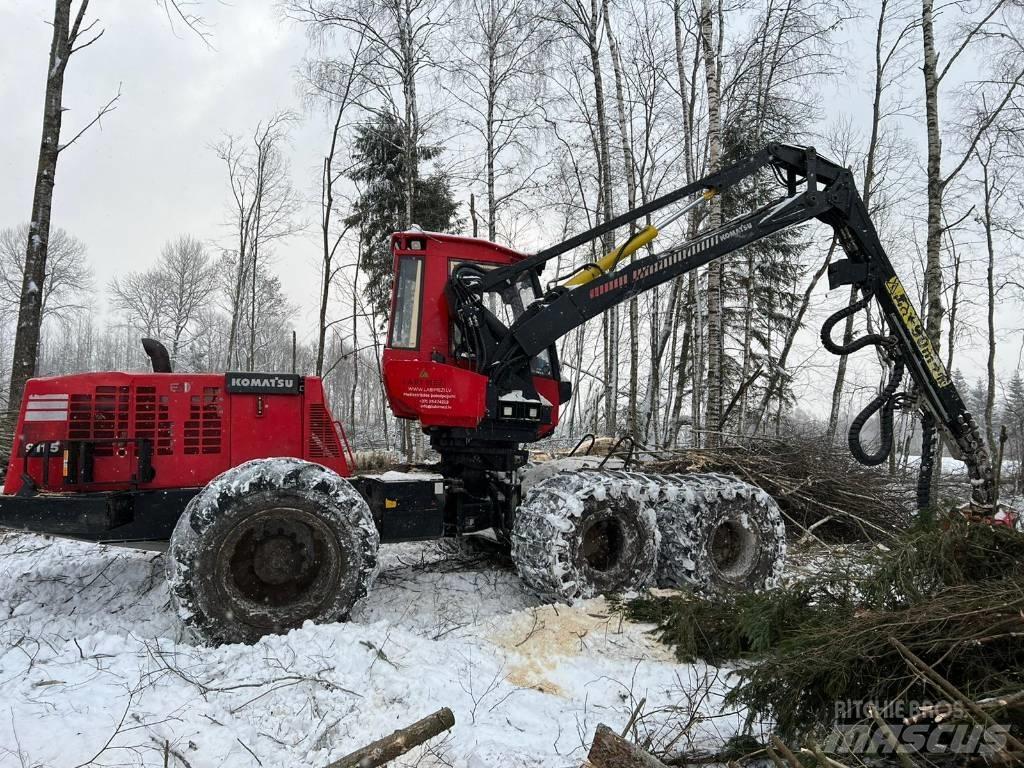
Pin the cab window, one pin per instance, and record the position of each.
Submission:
(405, 325)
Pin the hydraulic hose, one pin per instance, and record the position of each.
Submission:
(870, 339)
(885, 403)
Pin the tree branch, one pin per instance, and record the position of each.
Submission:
(989, 119)
(108, 107)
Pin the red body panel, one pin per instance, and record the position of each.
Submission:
(428, 382)
(195, 427)
(434, 393)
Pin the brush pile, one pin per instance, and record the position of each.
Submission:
(952, 595)
(819, 487)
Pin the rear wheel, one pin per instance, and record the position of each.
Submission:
(587, 533)
(719, 534)
(269, 545)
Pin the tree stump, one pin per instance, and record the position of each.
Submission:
(609, 750)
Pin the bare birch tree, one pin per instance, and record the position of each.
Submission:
(892, 35)
(264, 209)
(167, 300)
(69, 280)
(1003, 88)
(994, 189)
(71, 34)
(715, 333)
(338, 84)
(497, 80)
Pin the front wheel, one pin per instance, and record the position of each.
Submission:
(268, 545)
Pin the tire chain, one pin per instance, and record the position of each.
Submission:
(678, 498)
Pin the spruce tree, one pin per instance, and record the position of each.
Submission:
(1013, 419)
(380, 168)
(770, 270)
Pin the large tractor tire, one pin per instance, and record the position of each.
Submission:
(719, 535)
(579, 534)
(268, 545)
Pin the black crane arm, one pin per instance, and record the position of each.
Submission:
(815, 188)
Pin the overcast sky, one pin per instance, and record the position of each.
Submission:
(149, 174)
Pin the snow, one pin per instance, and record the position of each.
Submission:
(90, 649)
(950, 466)
(779, 206)
(535, 473)
(517, 396)
(393, 476)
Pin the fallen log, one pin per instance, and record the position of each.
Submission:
(398, 743)
(609, 750)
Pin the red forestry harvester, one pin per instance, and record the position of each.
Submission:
(249, 476)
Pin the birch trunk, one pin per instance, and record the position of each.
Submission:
(630, 176)
(489, 138)
(990, 285)
(933, 240)
(608, 323)
(408, 55)
(715, 340)
(690, 346)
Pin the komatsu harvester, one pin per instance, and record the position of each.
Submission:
(249, 476)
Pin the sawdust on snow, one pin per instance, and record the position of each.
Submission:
(540, 639)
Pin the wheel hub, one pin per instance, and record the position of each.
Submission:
(733, 548)
(275, 558)
(602, 544)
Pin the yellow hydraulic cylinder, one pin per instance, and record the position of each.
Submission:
(644, 236)
(609, 261)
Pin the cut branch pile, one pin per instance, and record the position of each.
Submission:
(953, 595)
(820, 488)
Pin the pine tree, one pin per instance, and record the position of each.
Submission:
(381, 169)
(1013, 404)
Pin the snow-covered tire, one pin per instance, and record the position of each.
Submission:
(719, 534)
(268, 545)
(579, 534)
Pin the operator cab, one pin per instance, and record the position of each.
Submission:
(430, 372)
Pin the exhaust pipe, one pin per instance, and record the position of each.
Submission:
(157, 355)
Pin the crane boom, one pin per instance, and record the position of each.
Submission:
(814, 188)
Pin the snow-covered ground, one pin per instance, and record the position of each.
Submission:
(94, 670)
